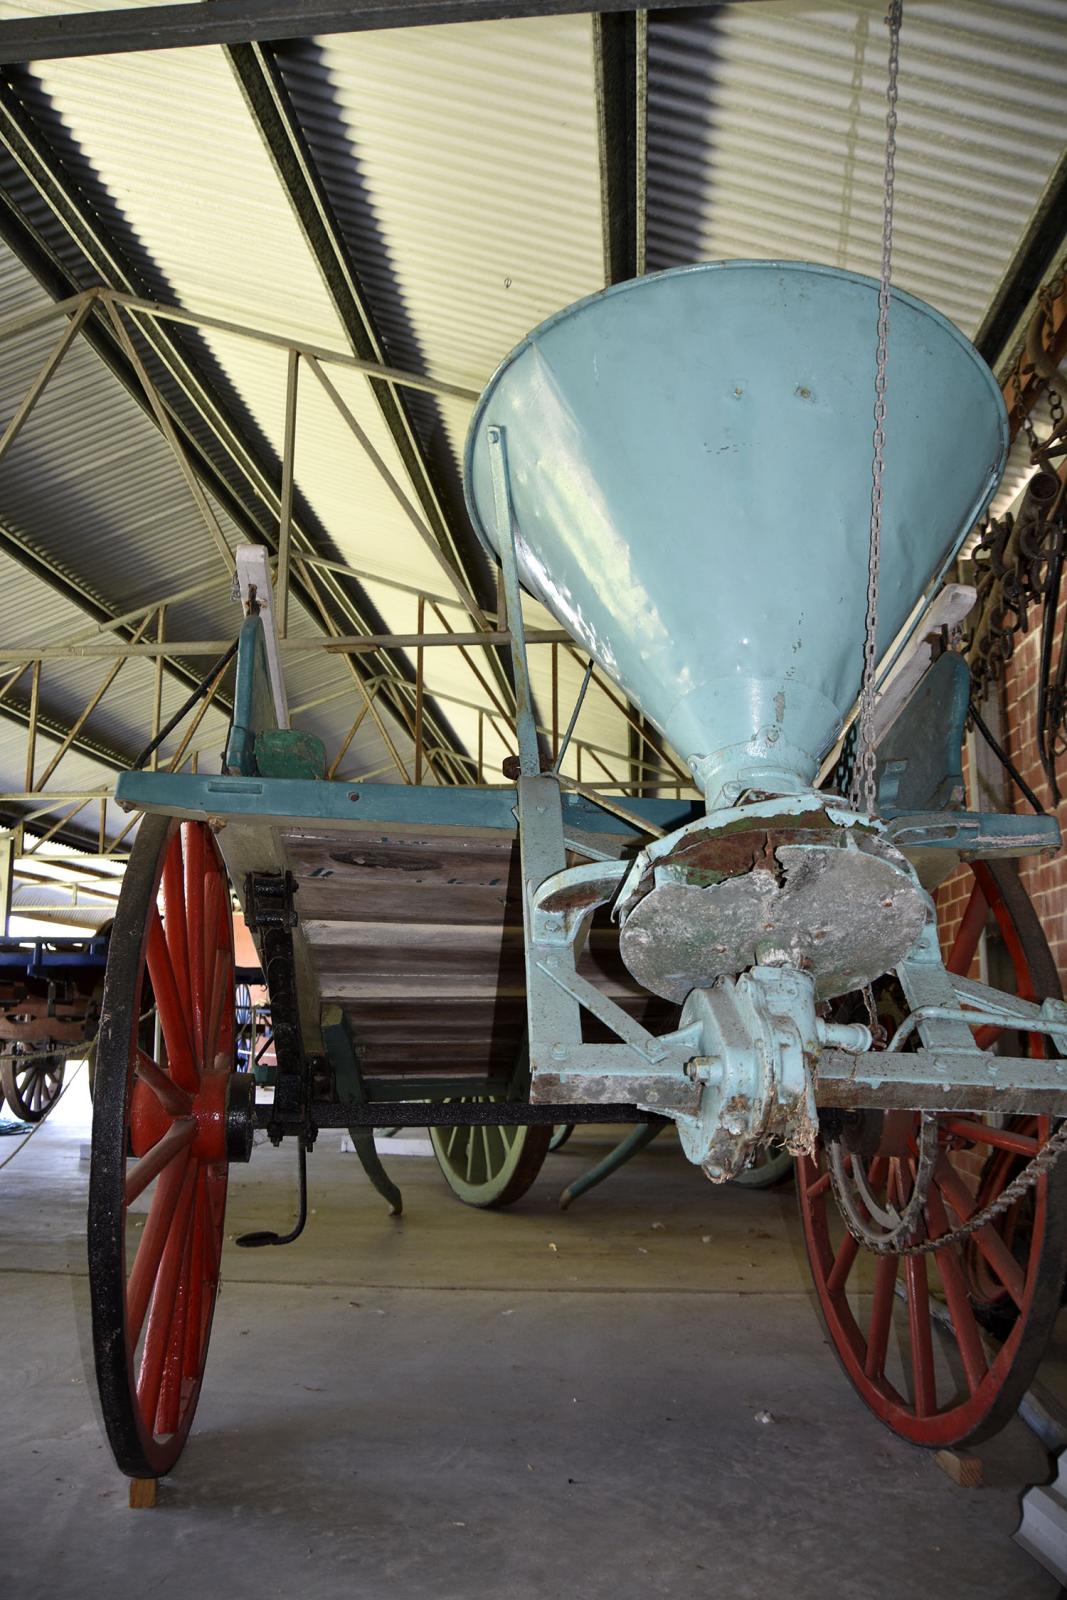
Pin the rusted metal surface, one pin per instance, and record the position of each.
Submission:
(1017, 561)
(1044, 348)
(699, 912)
(1019, 558)
(580, 896)
(666, 1097)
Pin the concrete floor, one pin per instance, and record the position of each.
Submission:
(447, 1407)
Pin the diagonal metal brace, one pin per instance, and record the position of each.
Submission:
(611, 1015)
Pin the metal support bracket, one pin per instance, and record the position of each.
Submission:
(254, 588)
(927, 985)
(648, 1045)
(974, 834)
(525, 720)
(272, 916)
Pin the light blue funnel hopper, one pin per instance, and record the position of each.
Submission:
(690, 469)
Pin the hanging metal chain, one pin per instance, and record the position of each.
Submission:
(864, 793)
(1034, 1170)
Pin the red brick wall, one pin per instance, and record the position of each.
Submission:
(1046, 880)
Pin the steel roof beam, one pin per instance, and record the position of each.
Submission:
(620, 44)
(83, 744)
(72, 207)
(445, 529)
(620, 49)
(170, 27)
(1038, 253)
(279, 341)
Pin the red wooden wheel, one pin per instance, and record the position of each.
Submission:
(910, 1330)
(160, 1154)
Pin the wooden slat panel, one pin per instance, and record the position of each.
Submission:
(420, 938)
(331, 899)
(379, 859)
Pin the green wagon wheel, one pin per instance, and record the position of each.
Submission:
(771, 1165)
(486, 1165)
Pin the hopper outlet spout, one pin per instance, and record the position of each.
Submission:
(794, 727)
(726, 775)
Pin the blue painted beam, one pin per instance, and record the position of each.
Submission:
(295, 801)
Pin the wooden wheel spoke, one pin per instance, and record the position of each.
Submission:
(499, 1138)
(175, 928)
(964, 1324)
(996, 1253)
(201, 1280)
(219, 998)
(924, 1390)
(172, 1014)
(818, 1187)
(972, 925)
(168, 1406)
(178, 1136)
(161, 1310)
(1023, 1144)
(177, 1102)
(149, 1252)
(193, 861)
(1009, 932)
(211, 952)
(884, 1298)
(847, 1252)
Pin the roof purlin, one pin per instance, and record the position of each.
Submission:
(27, 144)
(270, 106)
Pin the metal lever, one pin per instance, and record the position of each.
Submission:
(253, 1241)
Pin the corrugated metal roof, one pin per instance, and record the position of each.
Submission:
(767, 130)
(237, 248)
(463, 167)
(462, 164)
(91, 487)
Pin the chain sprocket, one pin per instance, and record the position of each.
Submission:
(888, 1243)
